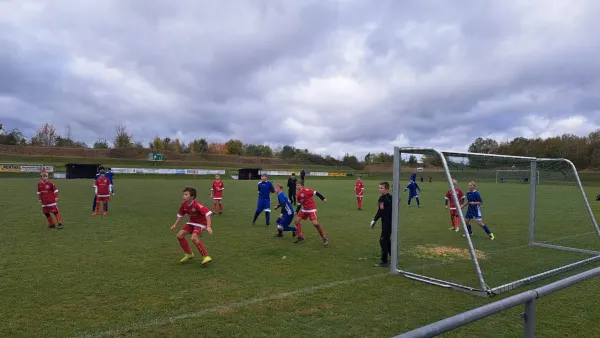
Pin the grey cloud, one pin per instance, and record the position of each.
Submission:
(423, 69)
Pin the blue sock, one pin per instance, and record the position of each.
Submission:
(469, 228)
(409, 199)
(105, 205)
(418, 202)
(289, 228)
(94, 204)
(255, 216)
(268, 217)
(486, 229)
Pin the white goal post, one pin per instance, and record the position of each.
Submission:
(540, 230)
(515, 176)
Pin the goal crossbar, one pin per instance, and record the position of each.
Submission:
(484, 289)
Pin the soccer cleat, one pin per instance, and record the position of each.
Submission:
(299, 240)
(95, 213)
(451, 228)
(104, 213)
(187, 257)
(206, 260)
(382, 265)
(492, 236)
(279, 235)
(456, 230)
(50, 226)
(60, 226)
(325, 241)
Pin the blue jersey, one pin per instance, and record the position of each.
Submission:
(413, 187)
(473, 196)
(265, 189)
(286, 206)
(109, 175)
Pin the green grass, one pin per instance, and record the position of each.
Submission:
(121, 273)
(59, 163)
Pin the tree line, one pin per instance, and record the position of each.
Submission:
(583, 151)
(47, 136)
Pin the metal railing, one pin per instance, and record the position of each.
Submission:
(528, 298)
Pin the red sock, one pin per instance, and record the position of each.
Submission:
(456, 222)
(299, 229)
(184, 245)
(360, 203)
(57, 215)
(221, 207)
(320, 230)
(98, 206)
(201, 248)
(214, 207)
(50, 220)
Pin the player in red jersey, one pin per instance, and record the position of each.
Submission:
(454, 218)
(308, 209)
(359, 189)
(48, 194)
(199, 220)
(102, 190)
(216, 192)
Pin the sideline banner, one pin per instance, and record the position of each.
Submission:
(24, 168)
(164, 171)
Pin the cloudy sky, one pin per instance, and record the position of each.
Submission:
(333, 76)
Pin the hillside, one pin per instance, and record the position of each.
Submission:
(58, 157)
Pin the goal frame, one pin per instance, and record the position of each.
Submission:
(484, 289)
(528, 172)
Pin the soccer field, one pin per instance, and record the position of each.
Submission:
(120, 274)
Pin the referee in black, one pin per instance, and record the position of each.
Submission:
(291, 184)
(384, 211)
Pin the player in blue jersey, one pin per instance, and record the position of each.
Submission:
(474, 201)
(413, 192)
(265, 189)
(287, 212)
(413, 177)
(101, 168)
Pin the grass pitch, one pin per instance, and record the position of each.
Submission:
(120, 275)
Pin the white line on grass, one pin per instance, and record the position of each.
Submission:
(309, 290)
(244, 303)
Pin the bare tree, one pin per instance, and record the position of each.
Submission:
(122, 138)
(45, 136)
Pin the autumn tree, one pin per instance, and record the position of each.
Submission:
(45, 136)
(177, 146)
(123, 138)
(217, 148)
(157, 144)
(234, 147)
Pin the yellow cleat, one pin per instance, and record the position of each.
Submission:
(187, 257)
(206, 260)
(492, 237)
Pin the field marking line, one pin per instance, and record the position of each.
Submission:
(235, 305)
(245, 303)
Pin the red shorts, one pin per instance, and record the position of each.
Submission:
(50, 210)
(192, 229)
(453, 212)
(311, 214)
(103, 198)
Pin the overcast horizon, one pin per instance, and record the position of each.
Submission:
(330, 76)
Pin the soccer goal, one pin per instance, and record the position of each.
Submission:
(539, 230)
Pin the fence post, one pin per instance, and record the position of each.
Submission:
(529, 319)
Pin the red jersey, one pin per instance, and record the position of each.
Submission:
(359, 188)
(217, 188)
(196, 211)
(102, 186)
(305, 197)
(459, 194)
(47, 192)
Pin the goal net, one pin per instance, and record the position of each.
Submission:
(519, 234)
(515, 176)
